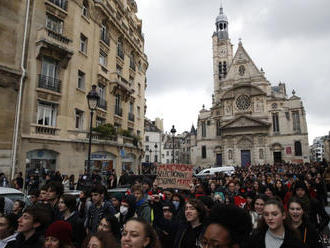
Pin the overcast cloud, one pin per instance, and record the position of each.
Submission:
(289, 39)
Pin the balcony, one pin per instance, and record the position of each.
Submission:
(49, 83)
(45, 130)
(105, 38)
(102, 104)
(118, 111)
(63, 4)
(131, 117)
(55, 42)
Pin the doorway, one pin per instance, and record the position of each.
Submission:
(245, 158)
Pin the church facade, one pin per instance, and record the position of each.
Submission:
(250, 121)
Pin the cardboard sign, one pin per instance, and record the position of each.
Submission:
(178, 176)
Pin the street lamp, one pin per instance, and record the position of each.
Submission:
(156, 160)
(173, 131)
(92, 100)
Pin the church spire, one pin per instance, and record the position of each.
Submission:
(221, 24)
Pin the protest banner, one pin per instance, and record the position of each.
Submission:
(177, 176)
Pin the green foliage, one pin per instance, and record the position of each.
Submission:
(106, 130)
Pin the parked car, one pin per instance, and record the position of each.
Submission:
(228, 170)
(12, 195)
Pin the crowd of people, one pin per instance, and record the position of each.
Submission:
(280, 205)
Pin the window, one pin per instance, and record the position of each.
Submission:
(101, 91)
(147, 138)
(218, 128)
(120, 52)
(47, 114)
(167, 153)
(138, 132)
(230, 154)
(48, 78)
(103, 58)
(296, 121)
(167, 161)
(119, 69)
(276, 127)
(60, 3)
(100, 121)
(131, 81)
(83, 43)
(203, 151)
(139, 89)
(147, 158)
(261, 153)
(297, 148)
(118, 110)
(84, 8)
(147, 148)
(203, 129)
(54, 24)
(138, 111)
(156, 158)
(131, 107)
(104, 33)
(81, 80)
(79, 115)
(132, 61)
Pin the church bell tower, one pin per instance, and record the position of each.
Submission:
(222, 51)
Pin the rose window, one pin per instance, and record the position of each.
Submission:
(243, 102)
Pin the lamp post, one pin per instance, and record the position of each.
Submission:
(173, 131)
(92, 100)
(155, 146)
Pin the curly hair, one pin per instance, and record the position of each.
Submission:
(235, 220)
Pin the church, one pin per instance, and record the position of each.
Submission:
(250, 122)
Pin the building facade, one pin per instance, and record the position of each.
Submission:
(153, 133)
(250, 121)
(72, 45)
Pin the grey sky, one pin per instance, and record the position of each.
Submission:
(289, 39)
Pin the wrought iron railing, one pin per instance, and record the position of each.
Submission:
(49, 83)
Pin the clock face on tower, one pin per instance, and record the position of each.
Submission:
(223, 52)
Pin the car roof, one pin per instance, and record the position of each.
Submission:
(4, 191)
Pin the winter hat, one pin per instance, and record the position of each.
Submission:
(61, 230)
(168, 205)
(117, 195)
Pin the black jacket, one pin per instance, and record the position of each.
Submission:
(78, 230)
(290, 240)
(36, 241)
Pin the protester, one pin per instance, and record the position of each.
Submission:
(228, 226)
(275, 230)
(59, 235)
(8, 226)
(314, 209)
(138, 233)
(258, 210)
(83, 204)
(67, 208)
(18, 208)
(109, 223)
(188, 235)
(115, 199)
(100, 240)
(34, 196)
(127, 210)
(31, 226)
(143, 209)
(300, 221)
(98, 209)
(54, 192)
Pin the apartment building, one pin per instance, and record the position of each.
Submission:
(72, 45)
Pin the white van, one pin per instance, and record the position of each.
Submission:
(228, 170)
